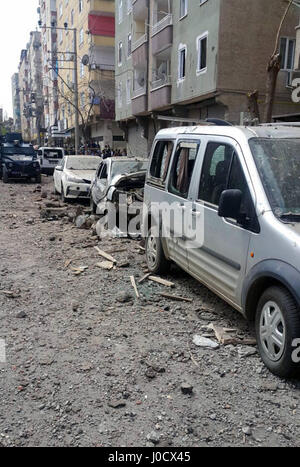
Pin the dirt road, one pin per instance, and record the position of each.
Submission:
(89, 364)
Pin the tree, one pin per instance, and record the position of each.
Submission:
(273, 69)
(90, 92)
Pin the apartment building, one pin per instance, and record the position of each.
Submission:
(24, 93)
(95, 38)
(48, 18)
(182, 61)
(16, 102)
(30, 89)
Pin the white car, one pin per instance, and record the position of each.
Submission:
(72, 178)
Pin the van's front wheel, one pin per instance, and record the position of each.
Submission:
(156, 260)
(277, 327)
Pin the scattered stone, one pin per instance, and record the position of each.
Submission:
(21, 315)
(244, 352)
(117, 404)
(247, 430)
(150, 373)
(44, 194)
(52, 238)
(124, 297)
(201, 341)
(81, 222)
(186, 388)
(153, 437)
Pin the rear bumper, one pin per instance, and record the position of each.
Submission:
(47, 170)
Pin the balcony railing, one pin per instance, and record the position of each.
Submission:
(138, 92)
(158, 83)
(163, 23)
(142, 40)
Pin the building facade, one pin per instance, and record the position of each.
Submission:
(48, 17)
(16, 102)
(180, 62)
(94, 55)
(30, 90)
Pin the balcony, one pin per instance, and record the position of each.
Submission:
(140, 51)
(139, 100)
(102, 6)
(160, 95)
(162, 34)
(140, 10)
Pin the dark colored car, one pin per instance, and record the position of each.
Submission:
(18, 161)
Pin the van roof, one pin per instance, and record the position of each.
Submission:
(236, 132)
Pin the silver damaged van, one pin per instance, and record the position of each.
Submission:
(236, 193)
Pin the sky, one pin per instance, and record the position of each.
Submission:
(17, 19)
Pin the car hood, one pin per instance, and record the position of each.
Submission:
(118, 179)
(87, 175)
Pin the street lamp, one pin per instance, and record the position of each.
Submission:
(76, 100)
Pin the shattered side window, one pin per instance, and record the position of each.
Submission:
(161, 159)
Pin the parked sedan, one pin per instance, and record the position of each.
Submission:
(72, 178)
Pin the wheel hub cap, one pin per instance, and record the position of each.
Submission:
(151, 251)
(272, 331)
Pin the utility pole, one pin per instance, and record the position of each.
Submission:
(75, 69)
(76, 94)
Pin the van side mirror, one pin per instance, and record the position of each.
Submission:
(230, 204)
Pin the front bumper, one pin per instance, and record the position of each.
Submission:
(77, 190)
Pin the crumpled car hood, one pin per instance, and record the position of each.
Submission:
(81, 174)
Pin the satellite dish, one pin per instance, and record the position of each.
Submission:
(85, 60)
(141, 79)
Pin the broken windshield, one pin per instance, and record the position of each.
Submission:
(278, 164)
(128, 167)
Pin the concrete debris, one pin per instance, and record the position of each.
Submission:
(201, 341)
(108, 265)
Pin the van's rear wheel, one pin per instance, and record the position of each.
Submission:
(277, 326)
(156, 260)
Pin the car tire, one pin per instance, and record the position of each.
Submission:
(156, 260)
(277, 325)
(5, 176)
(62, 195)
(93, 206)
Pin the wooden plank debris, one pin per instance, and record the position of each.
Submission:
(161, 281)
(144, 277)
(105, 255)
(108, 265)
(134, 286)
(176, 297)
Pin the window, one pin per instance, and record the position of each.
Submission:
(161, 159)
(82, 99)
(60, 10)
(120, 95)
(80, 5)
(81, 70)
(81, 37)
(129, 42)
(183, 167)
(183, 8)
(202, 53)
(72, 18)
(181, 63)
(120, 53)
(120, 8)
(215, 171)
(128, 90)
(287, 52)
